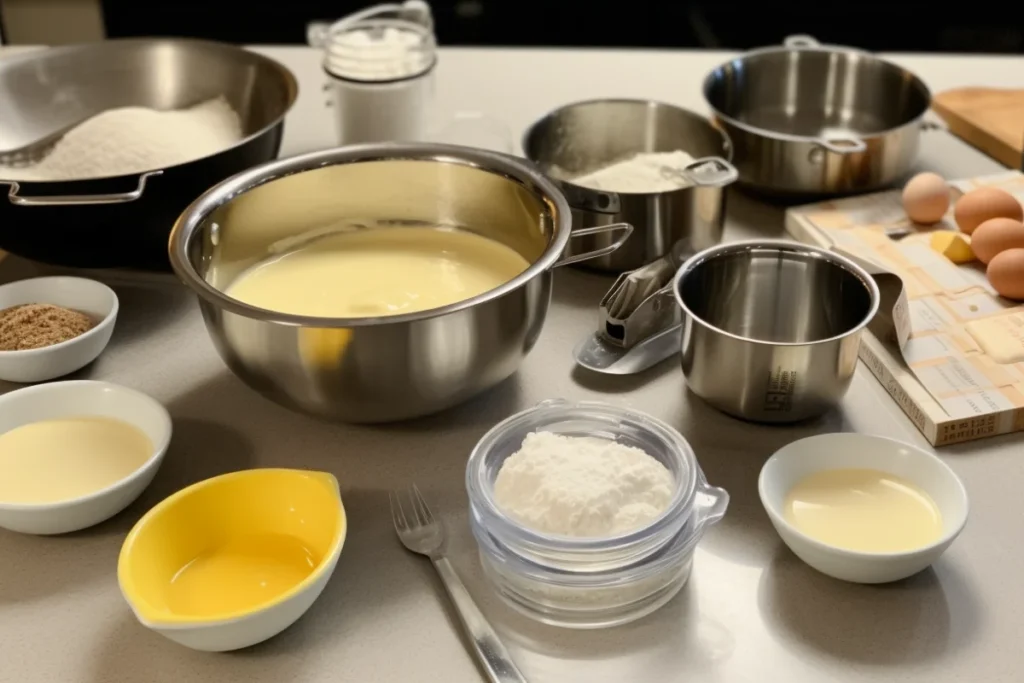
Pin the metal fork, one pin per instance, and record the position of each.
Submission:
(422, 534)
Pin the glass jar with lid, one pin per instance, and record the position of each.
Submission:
(590, 582)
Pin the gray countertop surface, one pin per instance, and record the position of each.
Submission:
(751, 611)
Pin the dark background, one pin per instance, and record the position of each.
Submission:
(884, 26)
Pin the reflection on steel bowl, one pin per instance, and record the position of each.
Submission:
(772, 328)
(123, 221)
(385, 368)
(580, 138)
(810, 119)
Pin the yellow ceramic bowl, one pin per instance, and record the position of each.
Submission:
(236, 559)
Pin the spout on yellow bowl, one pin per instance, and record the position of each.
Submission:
(232, 546)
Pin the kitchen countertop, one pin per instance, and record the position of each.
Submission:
(751, 612)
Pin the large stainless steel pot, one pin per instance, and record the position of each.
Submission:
(771, 328)
(376, 369)
(810, 119)
(123, 221)
(582, 137)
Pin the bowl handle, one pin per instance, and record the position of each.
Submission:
(841, 144)
(625, 228)
(800, 40)
(77, 200)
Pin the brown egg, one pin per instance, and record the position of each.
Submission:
(1006, 273)
(996, 235)
(978, 206)
(926, 198)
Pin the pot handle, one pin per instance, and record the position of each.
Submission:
(625, 228)
(710, 172)
(78, 200)
(800, 40)
(841, 144)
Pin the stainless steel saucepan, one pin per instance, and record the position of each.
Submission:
(386, 368)
(811, 119)
(123, 221)
(771, 328)
(585, 136)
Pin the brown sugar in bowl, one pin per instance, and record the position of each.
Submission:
(67, 352)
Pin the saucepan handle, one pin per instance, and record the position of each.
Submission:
(801, 40)
(710, 172)
(625, 228)
(841, 144)
(17, 199)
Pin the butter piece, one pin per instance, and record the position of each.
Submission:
(1000, 337)
(954, 245)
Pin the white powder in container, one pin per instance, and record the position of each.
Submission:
(582, 486)
(135, 139)
(643, 173)
(381, 83)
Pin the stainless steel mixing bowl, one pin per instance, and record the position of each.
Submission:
(772, 328)
(810, 119)
(375, 369)
(585, 136)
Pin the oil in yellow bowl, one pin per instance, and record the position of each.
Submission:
(234, 560)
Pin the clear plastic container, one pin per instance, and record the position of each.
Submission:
(590, 582)
(380, 79)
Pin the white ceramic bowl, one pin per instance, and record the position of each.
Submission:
(77, 399)
(93, 298)
(861, 451)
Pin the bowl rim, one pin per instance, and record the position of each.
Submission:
(782, 246)
(159, 449)
(171, 621)
(513, 169)
(779, 520)
(498, 522)
(95, 330)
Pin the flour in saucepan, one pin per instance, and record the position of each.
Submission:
(647, 172)
(582, 486)
(135, 139)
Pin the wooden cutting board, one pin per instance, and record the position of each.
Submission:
(990, 119)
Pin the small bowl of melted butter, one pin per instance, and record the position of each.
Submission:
(863, 508)
(231, 561)
(73, 454)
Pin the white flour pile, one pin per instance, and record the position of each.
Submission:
(647, 172)
(135, 139)
(582, 486)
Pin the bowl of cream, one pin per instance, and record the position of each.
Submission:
(73, 454)
(587, 515)
(863, 508)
